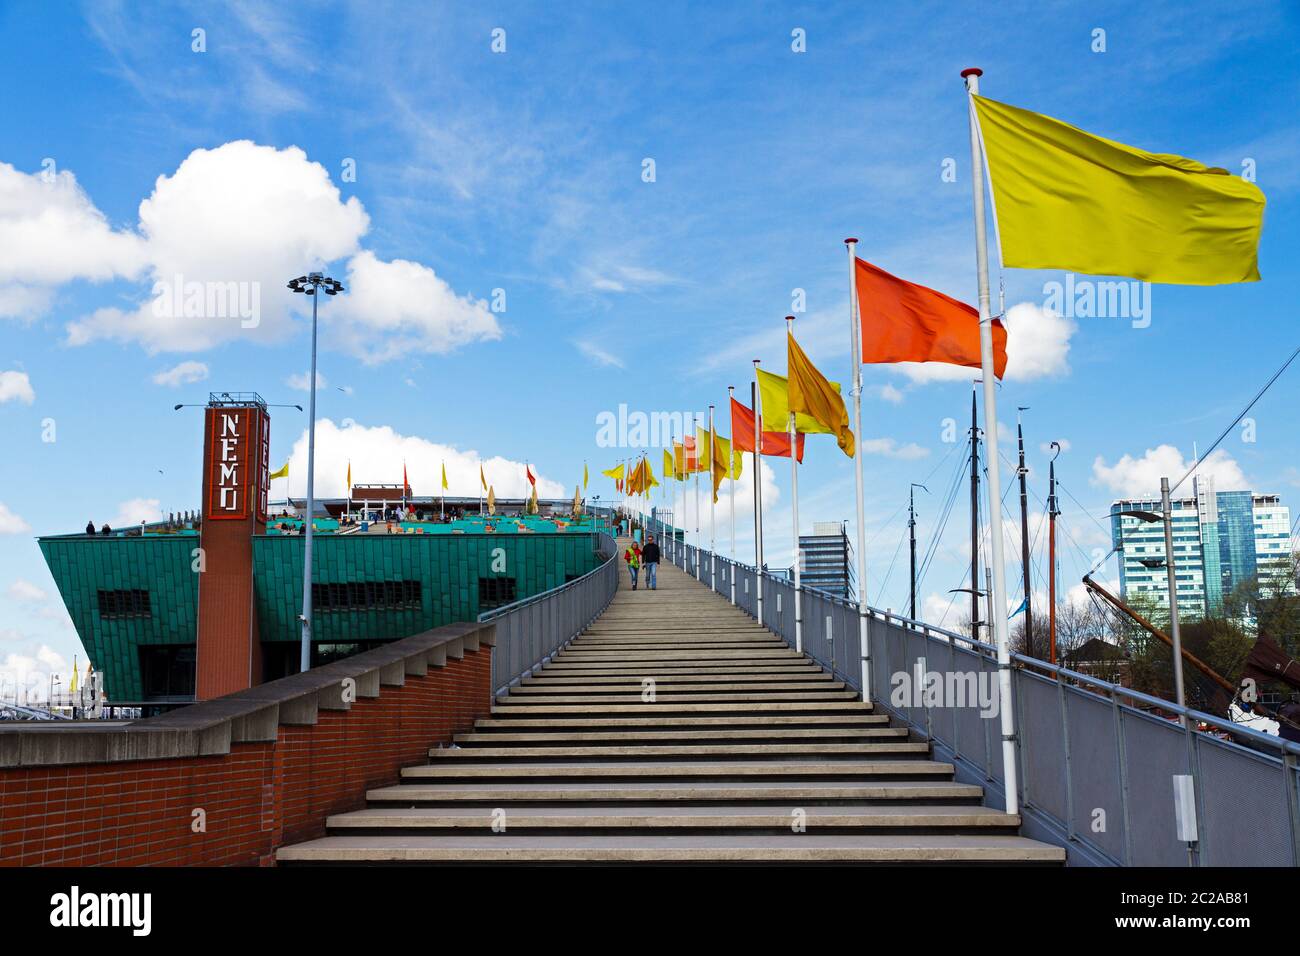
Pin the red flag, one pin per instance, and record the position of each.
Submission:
(906, 322)
(406, 485)
(775, 444)
(529, 472)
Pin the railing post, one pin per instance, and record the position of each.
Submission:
(1122, 753)
(1290, 779)
(1069, 769)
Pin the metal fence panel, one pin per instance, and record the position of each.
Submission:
(1042, 742)
(1093, 773)
(1240, 787)
(1155, 750)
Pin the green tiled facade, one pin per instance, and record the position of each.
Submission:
(159, 564)
(448, 568)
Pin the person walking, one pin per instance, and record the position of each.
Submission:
(650, 558)
(633, 558)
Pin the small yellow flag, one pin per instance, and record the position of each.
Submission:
(492, 501)
(811, 393)
(1066, 199)
(668, 465)
(584, 476)
(283, 472)
(615, 473)
(444, 476)
(482, 479)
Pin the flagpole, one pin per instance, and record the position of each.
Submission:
(699, 574)
(731, 394)
(855, 357)
(998, 588)
(794, 503)
(713, 547)
(754, 400)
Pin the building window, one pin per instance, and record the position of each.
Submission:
(366, 596)
(124, 603)
(494, 592)
(167, 670)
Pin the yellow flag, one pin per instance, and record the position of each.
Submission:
(704, 459)
(615, 473)
(283, 472)
(73, 687)
(492, 500)
(810, 392)
(737, 463)
(679, 461)
(669, 466)
(773, 395)
(1066, 199)
(444, 476)
(584, 476)
(721, 461)
(349, 479)
(482, 479)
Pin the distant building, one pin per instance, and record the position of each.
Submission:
(826, 559)
(1221, 539)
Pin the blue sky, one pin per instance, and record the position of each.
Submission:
(522, 171)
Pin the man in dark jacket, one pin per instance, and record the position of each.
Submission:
(650, 558)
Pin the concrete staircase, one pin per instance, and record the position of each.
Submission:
(677, 730)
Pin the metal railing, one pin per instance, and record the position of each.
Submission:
(1096, 760)
(530, 631)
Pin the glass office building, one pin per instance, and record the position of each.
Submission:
(826, 559)
(1222, 539)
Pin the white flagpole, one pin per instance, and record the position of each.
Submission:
(731, 393)
(713, 547)
(998, 598)
(699, 573)
(794, 504)
(756, 398)
(855, 356)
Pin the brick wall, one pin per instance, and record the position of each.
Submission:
(256, 797)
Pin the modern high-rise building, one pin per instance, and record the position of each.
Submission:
(827, 559)
(1222, 539)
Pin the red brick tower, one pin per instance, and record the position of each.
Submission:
(236, 452)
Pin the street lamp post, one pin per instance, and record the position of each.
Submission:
(311, 284)
(1167, 519)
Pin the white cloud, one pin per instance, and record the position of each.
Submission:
(30, 673)
(891, 449)
(135, 510)
(1038, 346)
(598, 355)
(888, 393)
(242, 214)
(377, 454)
(221, 236)
(16, 387)
(183, 374)
(52, 233)
(1139, 477)
(622, 277)
(11, 523)
(391, 309)
(301, 381)
(25, 591)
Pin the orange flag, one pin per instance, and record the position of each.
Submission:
(906, 322)
(775, 444)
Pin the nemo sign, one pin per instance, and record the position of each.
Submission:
(235, 475)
